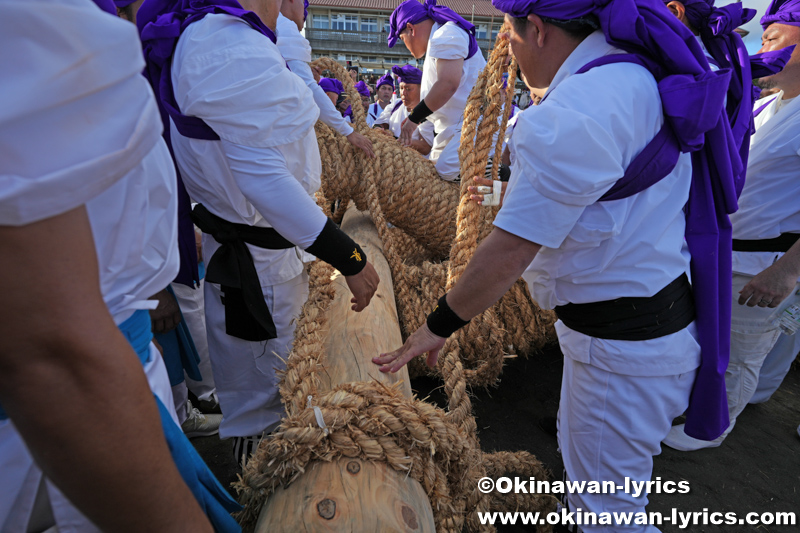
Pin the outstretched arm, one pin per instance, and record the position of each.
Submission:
(499, 261)
(770, 287)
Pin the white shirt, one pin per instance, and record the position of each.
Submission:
(297, 52)
(265, 168)
(395, 121)
(60, 150)
(448, 41)
(770, 201)
(569, 151)
(375, 111)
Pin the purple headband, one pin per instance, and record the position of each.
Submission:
(386, 79)
(362, 89)
(782, 12)
(331, 85)
(408, 74)
(692, 99)
(413, 12)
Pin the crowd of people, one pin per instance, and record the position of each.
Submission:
(648, 196)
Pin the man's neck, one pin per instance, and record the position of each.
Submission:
(266, 11)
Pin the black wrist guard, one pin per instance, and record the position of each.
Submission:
(443, 321)
(503, 173)
(337, 249)
(420, 113)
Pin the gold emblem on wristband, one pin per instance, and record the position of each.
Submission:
(356, 255)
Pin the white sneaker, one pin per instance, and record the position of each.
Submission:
(198, 424)
(679, 440)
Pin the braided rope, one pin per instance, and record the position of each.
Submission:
(370, 420)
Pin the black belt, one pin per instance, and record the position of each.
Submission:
(247, 316)
(781, 243)
(633, 318)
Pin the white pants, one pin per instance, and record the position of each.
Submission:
(444, 153)
(244, 371)
(775, 367)
(610, 426)
(22, 478)
(193, 309)
(752, 338)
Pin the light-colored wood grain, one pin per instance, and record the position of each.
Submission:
(350, 495)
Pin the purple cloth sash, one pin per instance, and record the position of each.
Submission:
(763, 107)
(413, 12)
(782, 12)
(397, 104)
(161, 23)
(769, 63)
(107, 6)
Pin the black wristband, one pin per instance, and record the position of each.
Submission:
(337, 249)
(420, 113)
(443, 321)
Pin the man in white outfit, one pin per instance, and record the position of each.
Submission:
(766, 255)
(394, 115)
(251, 161)
(453, 62)
(296, 50)
(98, 202)
(629, 341)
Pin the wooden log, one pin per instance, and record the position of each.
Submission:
(350, 495)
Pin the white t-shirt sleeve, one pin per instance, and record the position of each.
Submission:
(449, 42)
(261, 108)
(72, 67)
(264, 179)
(554, 178)
(425, 132)
(327, 111)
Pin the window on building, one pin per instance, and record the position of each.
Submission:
(398, 60)
(319, 22)
(496, 30)
(369, 59)
(481, 31)
(340, 21)
(369, 24)
(347, 57)
(386, 26)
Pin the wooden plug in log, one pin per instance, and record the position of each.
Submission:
(350, 494)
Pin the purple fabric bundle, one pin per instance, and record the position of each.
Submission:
(362, 89)
(782, 12)
(408, 74)
(107, 6)
(305, 10)
(386, 79)
(692, 100)
(413, 12)
(331, 85)
(123, 3)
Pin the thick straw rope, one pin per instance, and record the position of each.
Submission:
(369, 420)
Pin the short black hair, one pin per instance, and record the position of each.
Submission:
(580, 28)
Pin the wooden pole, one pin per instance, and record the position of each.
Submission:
(351, 495)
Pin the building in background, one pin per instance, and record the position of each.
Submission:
(357, 30)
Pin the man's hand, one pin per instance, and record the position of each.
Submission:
(167, 315)
(406, 131)
(477, 197)
(768, 288)
(420, 342)
(362, 143)
(363, 286)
